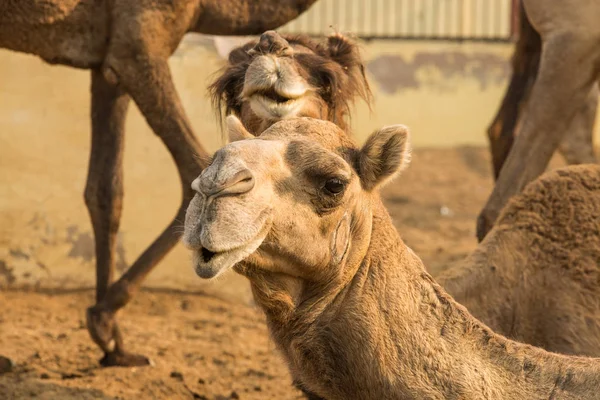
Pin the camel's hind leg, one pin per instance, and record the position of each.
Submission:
(525, 62)
(148, 81)
(568, 69)
(578, 145)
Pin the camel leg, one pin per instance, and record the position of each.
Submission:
(578, 145)
(525, 63)
(104, 188)
(566, 74)
(150, 85)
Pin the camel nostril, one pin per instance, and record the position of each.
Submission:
(240, 183)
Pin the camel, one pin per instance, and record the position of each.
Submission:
(287, 76)
(563, 94)
(575, 334)
(297, 211)
(577, 147)
(126, 45)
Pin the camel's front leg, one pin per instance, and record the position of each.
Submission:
(104, 188)
(149, 83)
(568, 69)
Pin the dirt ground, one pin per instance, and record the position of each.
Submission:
(204, 346)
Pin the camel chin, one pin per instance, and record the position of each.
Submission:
(209, 264)
(270, 109)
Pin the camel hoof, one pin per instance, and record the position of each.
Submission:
(121, 359)
(6, 365)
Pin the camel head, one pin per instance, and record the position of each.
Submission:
(296, 200)
(287, 76)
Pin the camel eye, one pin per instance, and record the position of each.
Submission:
(334, 186)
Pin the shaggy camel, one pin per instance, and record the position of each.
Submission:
(126, 45)
(568, 70)
(356, 316)
(285, 76)
(577, 147)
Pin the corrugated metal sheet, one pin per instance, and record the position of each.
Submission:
(428, 19)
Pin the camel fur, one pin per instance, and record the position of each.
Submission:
(536, 277)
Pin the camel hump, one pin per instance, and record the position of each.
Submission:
(34, 12)
(562, 204)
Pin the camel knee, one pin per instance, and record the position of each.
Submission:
(119, 294)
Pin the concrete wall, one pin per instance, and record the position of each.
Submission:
(446, 92)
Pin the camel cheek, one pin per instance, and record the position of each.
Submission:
(340, 240)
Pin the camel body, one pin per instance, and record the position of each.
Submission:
(536, 277)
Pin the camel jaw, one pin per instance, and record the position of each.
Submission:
(209, 264)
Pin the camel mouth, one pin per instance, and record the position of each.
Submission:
(271, 104)
(207, 255)
(209, 264)
(275, 96)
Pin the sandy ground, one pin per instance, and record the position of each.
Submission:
(206, 346)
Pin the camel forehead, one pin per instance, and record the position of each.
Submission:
(324, 133)
(283, 153)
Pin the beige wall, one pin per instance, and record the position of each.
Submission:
(446, 92)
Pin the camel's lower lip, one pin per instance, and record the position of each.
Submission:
(268, 108)
(273, 94)
(209, 264)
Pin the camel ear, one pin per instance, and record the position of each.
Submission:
(236, 129)
(385, 154)
(344, 51)
(240, 54)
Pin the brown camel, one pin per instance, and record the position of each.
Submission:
(126, 45)
(568, 71)
(285, 76)
(577, 147)
(573, 335)
(351, 307)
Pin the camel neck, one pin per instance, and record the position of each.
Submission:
(394, 333)
(441, 350)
